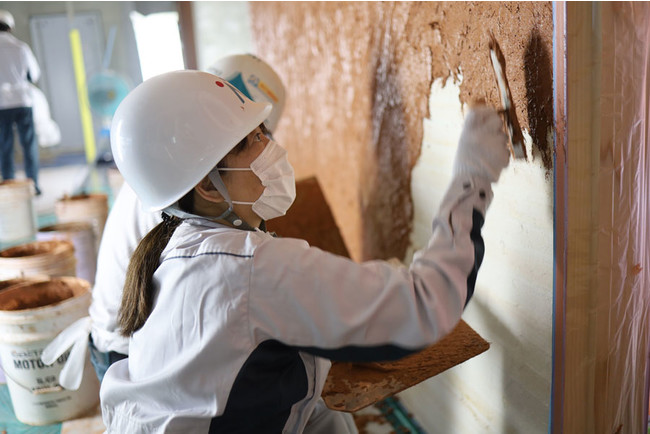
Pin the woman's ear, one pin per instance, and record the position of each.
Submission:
(206, 190)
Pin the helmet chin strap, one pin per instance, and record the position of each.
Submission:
(228, 215)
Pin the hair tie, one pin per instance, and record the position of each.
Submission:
(166, 218)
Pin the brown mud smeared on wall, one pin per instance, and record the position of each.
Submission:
(539, 96)
(358, 77)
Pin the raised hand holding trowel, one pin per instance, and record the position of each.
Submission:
(516, 145)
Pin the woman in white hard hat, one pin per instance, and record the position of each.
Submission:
(230, 329)
(127, 223)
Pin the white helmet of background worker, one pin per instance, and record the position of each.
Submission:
(256, 79)
(7, 18)
(163, 148)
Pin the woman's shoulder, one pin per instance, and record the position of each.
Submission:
(191, 241)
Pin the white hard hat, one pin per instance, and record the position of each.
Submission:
(256, 79)
(7, 18)
(172, 129)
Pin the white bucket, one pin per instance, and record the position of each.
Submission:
(82, 236)
(91, 208)
(6, 284)
(17, 213)
(52, 258)
(31, 316)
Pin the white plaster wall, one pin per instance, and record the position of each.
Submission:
(506, 389)
(221, 29)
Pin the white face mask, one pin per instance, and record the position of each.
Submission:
(272, 167)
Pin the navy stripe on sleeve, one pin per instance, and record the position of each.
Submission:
(479, 251)
(380, 353)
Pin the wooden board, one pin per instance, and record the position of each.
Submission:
(353, 386)
(310, 218)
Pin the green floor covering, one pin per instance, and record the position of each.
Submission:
(10, 425)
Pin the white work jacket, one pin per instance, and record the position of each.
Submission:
(241, 320)
(17, 60)
(125, 226)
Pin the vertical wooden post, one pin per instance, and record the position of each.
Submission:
(560, 217)
(186, 25)
(603, 214)
(582, 133)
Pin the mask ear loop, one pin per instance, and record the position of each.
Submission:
(228, 214)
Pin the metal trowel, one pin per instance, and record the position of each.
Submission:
(516, 145)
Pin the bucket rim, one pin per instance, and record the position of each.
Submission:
(66, 227)
(22, 280)
(52, 308)
(14, 183)
(61, 247)
(66, 199)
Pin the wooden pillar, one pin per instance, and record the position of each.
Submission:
(560, 217)
(602, 218)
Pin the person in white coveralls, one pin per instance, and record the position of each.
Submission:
(232, 330)
(127, 223)
(18, 69)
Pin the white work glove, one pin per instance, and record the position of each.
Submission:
(75, 336)
(482, 148)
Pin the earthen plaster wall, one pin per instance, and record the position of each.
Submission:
(376, 98)
(358, 77)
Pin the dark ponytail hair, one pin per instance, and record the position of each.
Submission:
(137, 296)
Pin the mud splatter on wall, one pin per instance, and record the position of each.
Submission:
(358, 78)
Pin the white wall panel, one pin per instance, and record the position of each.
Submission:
(507, 388)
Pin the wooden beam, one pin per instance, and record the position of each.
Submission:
(601, 360)
(583, 92)
(560, 217)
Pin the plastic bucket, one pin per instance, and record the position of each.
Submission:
(51, 258)
(17, 214)
(82, 236)
(91, 208)
(31, 316)
(6, 284)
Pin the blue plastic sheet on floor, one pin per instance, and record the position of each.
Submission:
(401, 420)
(10, 425)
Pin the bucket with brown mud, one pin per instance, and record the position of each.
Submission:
(6, 284)
(82, 236)
(17, 213)
(51, 258)
(91, 208)
(31, 316)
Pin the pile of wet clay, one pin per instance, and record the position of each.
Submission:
(32, 295)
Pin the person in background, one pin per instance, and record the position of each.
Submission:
(48, 132)
(18, 67)
(231, 329)
(127, 224)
